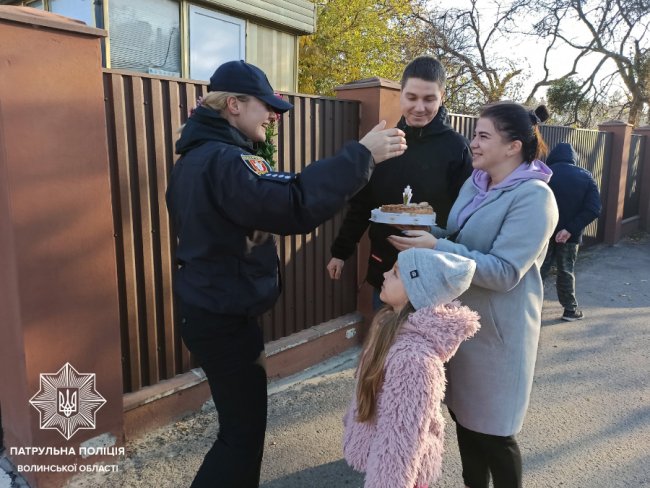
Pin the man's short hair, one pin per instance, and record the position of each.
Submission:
(426, 68)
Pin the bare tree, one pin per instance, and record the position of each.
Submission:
(582, 103)
(613, 30)
(466, 41)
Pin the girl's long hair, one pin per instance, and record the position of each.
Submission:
(383, 331)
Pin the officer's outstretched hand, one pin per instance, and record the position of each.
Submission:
(384, 143)
(334, 268)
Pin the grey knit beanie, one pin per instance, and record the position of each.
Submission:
(434, 277)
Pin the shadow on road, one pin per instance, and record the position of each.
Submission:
(334, 474)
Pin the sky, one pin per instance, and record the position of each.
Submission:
(528, 51)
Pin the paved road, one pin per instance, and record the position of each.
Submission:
(588, 425)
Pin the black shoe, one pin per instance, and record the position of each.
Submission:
(571, 315)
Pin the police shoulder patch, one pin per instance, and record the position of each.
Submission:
(256, 164)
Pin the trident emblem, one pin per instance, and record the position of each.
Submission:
(67, 401)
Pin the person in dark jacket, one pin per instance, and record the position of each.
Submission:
(436, 165)
(578, 201)
(225, 203)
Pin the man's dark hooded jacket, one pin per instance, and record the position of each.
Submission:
(575, 191)
(435, 166)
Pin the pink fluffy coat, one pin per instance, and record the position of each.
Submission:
(403, 446)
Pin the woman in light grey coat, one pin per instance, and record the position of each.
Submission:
(503, 217)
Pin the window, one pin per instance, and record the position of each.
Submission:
(37, 4)
(83, 10)
(145, 36)
(214, 39)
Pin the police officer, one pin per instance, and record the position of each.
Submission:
(225, 203)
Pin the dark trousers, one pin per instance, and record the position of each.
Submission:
(227, 348)
(564, 257)
(483, 455)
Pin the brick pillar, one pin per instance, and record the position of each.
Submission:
(379, 101)
(58, 286)
(616, 178)
(644, 166)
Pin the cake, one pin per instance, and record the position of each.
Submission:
(422, 208)
(405, 215)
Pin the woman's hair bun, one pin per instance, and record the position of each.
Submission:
(542, 113)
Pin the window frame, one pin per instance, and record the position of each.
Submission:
(106, 51)
(98, 12)
(215, 14)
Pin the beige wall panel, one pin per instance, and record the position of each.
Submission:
(298, 15)
(274, 52)
(295, 14)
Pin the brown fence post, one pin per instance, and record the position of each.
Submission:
(58, 288)
(616, 178)
(644, 165)
(379, 101)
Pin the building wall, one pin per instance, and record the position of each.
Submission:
(276, 53)
(297, 15)
(272, 28)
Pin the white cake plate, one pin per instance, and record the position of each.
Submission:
(402, 218)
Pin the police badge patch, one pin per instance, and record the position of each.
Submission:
(256, 164)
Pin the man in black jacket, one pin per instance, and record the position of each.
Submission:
(578, 202)
(435, 166)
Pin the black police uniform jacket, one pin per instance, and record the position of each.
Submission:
(216, 201)
(435, 166)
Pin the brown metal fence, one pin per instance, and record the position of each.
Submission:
(592, 146)
(144, 113)
(316, 128)
(464, 124)
(632, 190)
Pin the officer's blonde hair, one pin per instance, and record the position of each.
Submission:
(218, 100)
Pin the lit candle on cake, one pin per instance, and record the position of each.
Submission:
(407, 195)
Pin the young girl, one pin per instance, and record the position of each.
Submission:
(394, 428)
